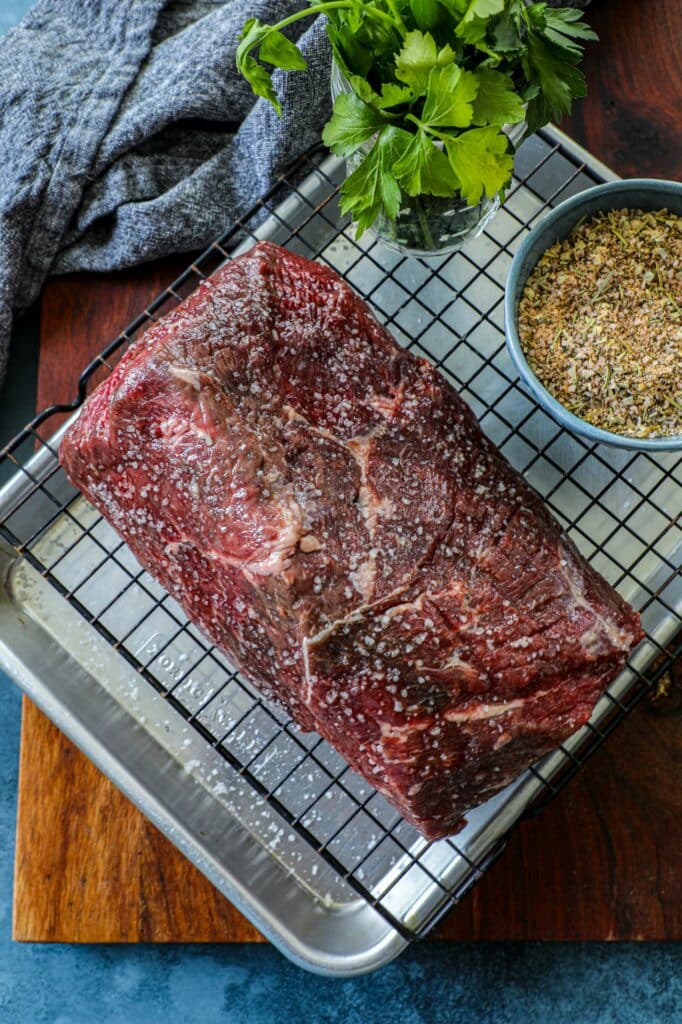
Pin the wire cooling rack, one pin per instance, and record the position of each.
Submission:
(621, 508)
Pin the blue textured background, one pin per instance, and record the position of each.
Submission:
(528, 983)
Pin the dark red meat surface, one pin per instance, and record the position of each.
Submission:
(326, 509)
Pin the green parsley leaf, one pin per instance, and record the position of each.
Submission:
(390, 146)
(480, 161)
(529, 92)
(250, 36)
(449, 97)
(258, 78)
(260, 81)
(554, 70)
(352, 57)
(423, 168)
(474, 24)
(353, 18)
(496, 100)
(425, 12)
(363, 89)
(392, 94)
(360, 192)
(352, 123)
(455, 7)
(563, 25)
(506, 32)
(278, 50)
(416, 59)
(372, 186)
(275, 48)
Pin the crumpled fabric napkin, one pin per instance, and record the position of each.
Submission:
(126, 133)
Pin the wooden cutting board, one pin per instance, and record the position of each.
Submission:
(602, 862)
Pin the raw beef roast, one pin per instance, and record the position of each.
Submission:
(326, 509)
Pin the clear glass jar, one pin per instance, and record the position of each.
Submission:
(426, 225)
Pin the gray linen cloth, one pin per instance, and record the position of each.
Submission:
(126, 133)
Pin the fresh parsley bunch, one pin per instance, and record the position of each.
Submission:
(431, 84)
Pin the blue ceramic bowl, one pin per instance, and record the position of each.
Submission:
(636, 193)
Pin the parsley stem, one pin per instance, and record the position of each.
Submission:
(427, 127)
(396, 16)
(427, 237)
(335, 5)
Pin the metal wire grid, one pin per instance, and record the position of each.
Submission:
(302, 779)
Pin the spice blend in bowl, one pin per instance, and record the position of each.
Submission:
(600, 322)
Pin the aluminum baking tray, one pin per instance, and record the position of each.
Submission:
(273, 817)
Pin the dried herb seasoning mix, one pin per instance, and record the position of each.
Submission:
(600, 322)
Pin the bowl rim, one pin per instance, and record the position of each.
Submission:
(513, 290)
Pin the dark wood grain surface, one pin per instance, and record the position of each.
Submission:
(601, 862)
(632, 115)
